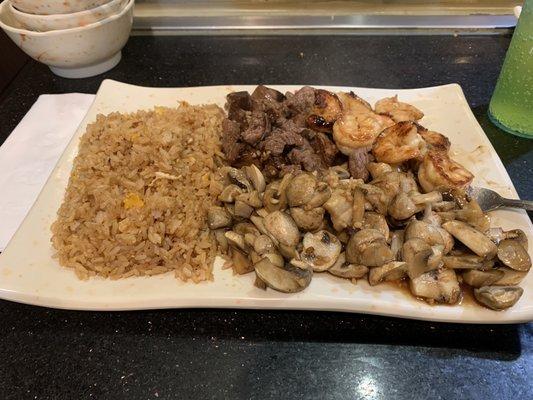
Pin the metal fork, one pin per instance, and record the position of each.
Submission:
(489, 200)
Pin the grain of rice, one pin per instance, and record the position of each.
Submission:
(138, 195)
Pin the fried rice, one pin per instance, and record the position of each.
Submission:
(138, 195)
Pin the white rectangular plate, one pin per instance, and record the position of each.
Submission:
(29, 274)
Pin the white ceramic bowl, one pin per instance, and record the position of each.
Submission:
(55, 6)
(77, 52)
(45, 23)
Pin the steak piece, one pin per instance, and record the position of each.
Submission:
(299, 105)
(301, 101)
(237, 103)
(357, 162)
(231, 145)
(258, 126)
(263, 93)
(269, 101)
(279, 139)
(269, 129)
(325, 148)
(306, 157)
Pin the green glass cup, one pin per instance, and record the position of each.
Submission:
(511, 106)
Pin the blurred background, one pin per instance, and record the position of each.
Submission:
(288, 14)
(346, 6)
(208, 17)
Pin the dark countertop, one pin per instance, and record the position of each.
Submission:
(225, 354)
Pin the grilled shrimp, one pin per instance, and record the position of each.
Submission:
(397, 110)
(399, 143)
(436, 141)
(439, 172)
(352, 131)
(327, 108)
(353, 103)
(358, 126)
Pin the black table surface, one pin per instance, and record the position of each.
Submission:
(227, 354)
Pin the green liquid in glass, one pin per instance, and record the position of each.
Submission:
(511, 106)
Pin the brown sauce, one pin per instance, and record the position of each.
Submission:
(467, 298)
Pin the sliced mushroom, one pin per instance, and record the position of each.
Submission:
(301, 189)
(320, 250)
(416, 253)
(282, 227)
(320, 196)
(339, 207)
(471, 238)
(435, 259)
(289, 252)
(241, 263)
(236, 240)
(258, 283)
(396, 243)
(467, 261)
(514, 255)
(389, 183)
(288, 279)
(242, 228)
(402, 207)
(230, 208)
(498, 298)
(375, 254)
(358, 208)
(476, 278)
(255, 176)
(440, 286)
(377, 221)
(229, 193)
(221, 239)
(275, 258)
(254, 256)
(273, 198)
(239, 178)
(430, 233)
(377, 169)
(263, 244)
(392, 271)
(262, 212)
(446, 216)
(308, 220)
(259, 223)
(408, 183)
(376, 197)
(253, 199)
(498, 234)
(444, 205)
(510, 277)
(424, 198)
(242, 209)
(368, 247)
(249, 240)
(296, 262)
(343, 269)
(472, 213)
(218, 217)
(284, 183)
(340, 172)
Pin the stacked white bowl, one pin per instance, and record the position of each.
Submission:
(76, 38)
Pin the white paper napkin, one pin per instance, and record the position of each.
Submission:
(30, 153)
